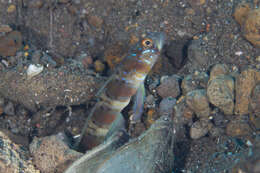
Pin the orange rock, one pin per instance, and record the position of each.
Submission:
(11, 8)
(245, 82)
(95, 21)
(241, 12)
(99, 66)
(249, 20)
(10, 43)
(252, 27)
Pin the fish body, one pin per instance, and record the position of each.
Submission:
(119, 89)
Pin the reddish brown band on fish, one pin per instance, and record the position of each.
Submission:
(117, 93)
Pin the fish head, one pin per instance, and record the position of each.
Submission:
(149, 48)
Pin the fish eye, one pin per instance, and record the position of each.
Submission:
(147, 42)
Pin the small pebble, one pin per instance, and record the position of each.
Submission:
(150, 101)
(199, 129)
(194, 81)
(99, 66)
(197, 100)
(11, 9)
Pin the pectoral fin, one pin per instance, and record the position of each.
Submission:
(138, 105)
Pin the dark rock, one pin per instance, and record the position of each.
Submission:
(169, 87)
(219, 119)
(10, 43)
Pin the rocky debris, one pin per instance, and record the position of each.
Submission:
(59, 86)
(220, 92)
(219, 69)
(245, 83)
(169, 87)
(151, 152)
(249, 21)
(255, 100)
(197, 100)
(238, 127)
(166, 106)
(177, 53)
(13, 157)
(52, 154)
(10, 43)
(197, 80)
(9, 108)
(199, 129)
